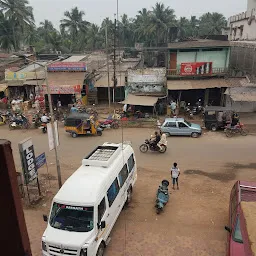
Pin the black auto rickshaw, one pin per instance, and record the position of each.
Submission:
(216, 117)
(81, 124)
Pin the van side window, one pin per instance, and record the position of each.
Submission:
(131, 163)
(123, 175)
(113, 192)
(101, 209)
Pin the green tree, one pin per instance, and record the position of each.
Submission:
(74, 24)
(6, 37)
(212, 24)
(20, 16)
(45, 29)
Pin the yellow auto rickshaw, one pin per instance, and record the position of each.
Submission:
(81, 124)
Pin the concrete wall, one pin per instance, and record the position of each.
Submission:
(220, 59)
(149, 80)
(240, 106)
(251, 4)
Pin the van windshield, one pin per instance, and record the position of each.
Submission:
(71, 218)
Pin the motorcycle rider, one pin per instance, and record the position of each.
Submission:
(155, 139)
(45, 119)
(163, 140)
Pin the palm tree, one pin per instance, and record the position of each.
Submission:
(184, 27)
(94, 40)
(211, 24)
(20, 16)
(6, 37)
(46, 27)
(74, 23)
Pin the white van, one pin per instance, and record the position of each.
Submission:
(87, 206)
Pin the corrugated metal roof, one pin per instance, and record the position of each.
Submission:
(205, 83)
(140, 100)
(247, 94)
(201, 43)
(66, 78)
(75, 58)
(103, 81)
(32, 67)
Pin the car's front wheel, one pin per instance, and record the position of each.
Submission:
(195, 134)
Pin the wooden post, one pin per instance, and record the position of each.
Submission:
(15, 240)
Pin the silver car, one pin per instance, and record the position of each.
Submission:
(179, 126)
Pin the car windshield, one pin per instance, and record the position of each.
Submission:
(237, 235)
(71, 218)
(187, 123)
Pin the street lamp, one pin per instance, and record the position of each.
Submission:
(52, 117)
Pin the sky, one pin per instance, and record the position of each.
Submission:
(97, 10)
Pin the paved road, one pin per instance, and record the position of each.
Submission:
(193, 221)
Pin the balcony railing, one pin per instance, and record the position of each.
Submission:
(215, 72)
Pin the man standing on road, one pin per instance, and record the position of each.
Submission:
(175, 172)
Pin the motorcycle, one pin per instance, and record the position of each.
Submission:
(43, 127)
(198, 108)
(189, 112)
(150, 145)
(232, 130)
(20, 122)
(36, 121)
(162, 196)
(109, 124)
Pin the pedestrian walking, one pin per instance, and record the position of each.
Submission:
(175, 173)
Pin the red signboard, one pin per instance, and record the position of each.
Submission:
(196, 68)
(67, 66)
(58, 89)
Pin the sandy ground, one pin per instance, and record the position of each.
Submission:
(193, 220)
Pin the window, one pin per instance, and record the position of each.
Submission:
(113, 192)
(71, 218)
(123, 175)
(237, 235)
(182, 125)
(101, 209)
(171, 124)
(131, 163)
(187, 123)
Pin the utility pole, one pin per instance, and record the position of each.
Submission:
(109, 100)
(114, 78)
(53, 128)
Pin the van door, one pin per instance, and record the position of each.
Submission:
(114, 202)
(123, 183)
(103, 215)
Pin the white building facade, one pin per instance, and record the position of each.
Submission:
(243, 26)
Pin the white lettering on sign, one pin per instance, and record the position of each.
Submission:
(74, 208)
(188, 69)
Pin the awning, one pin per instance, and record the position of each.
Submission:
(205, 83)
(15, 83)
(3, 87)
(34, 82)
(103, 81)
(245, 94)
(66, 78)
(140, 100)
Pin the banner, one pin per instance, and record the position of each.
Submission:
(10, 76)
(40, 160)
(196, 68)
(65, 89)
(28, 160)
(67, 66)
(50, 135)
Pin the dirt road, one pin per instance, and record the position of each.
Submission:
(193, 221)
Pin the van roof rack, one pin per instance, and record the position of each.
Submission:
(102, 156)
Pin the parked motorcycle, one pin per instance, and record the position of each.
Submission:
(162, 196)
(189, 111)
(232, 130)
(20, 122)
(36, 120)
(109, 123)
(150, 145)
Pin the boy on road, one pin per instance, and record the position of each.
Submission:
(175, 172)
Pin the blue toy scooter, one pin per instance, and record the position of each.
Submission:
(162, 196)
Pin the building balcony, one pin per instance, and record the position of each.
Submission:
(176, 73)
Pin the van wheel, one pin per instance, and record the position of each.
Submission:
(101, 250)
(129, 196)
